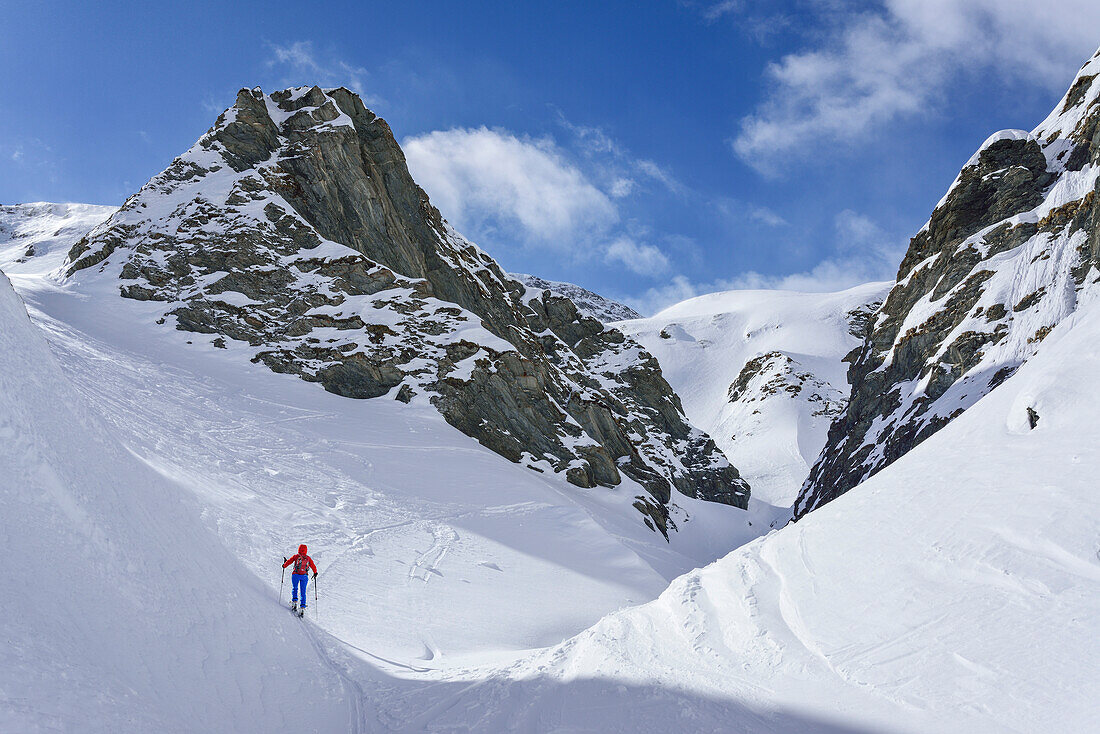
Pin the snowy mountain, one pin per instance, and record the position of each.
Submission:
(593, 304)
(293, 231)
(160, 454)
(762, 372)
(434, 550)
(1011, 251)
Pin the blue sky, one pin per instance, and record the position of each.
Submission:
(650, 151)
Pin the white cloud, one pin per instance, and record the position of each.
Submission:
(300, 64)
(31, 154)
(897, 59)
(660, 175)
(736, 213)
(826, 277)
(678, 288)
(613, 163)
(639, 258)
(509, 190)
(766, 216)
(493, 182)
(214, 105)
(621, 187)
(716, 11)
(857, 232)
(864, 253)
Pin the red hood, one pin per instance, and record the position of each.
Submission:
(302, 549)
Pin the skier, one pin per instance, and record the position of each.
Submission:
(299, 577)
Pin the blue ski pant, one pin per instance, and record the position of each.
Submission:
(298, 580)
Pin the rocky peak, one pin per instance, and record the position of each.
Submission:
(589, 302)
(1008, 253)
(293, 229)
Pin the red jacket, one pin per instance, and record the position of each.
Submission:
(302, 562)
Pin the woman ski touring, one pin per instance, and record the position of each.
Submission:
(299, 577)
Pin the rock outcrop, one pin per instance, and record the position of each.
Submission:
(778, 374)
(1008, 253)
(293, 226)
(591, 303)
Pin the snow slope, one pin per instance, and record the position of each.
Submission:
(958, 590)
(38, 236)
(123, 611)
(433, 549)
(775, 428)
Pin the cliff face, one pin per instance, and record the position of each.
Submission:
(293, 225)
(1011, 250)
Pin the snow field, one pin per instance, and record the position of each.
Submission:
(159, 482)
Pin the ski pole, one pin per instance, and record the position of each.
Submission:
(281, 580)
(315, 597)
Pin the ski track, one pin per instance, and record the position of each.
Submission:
(353, 691)
(427, 563)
